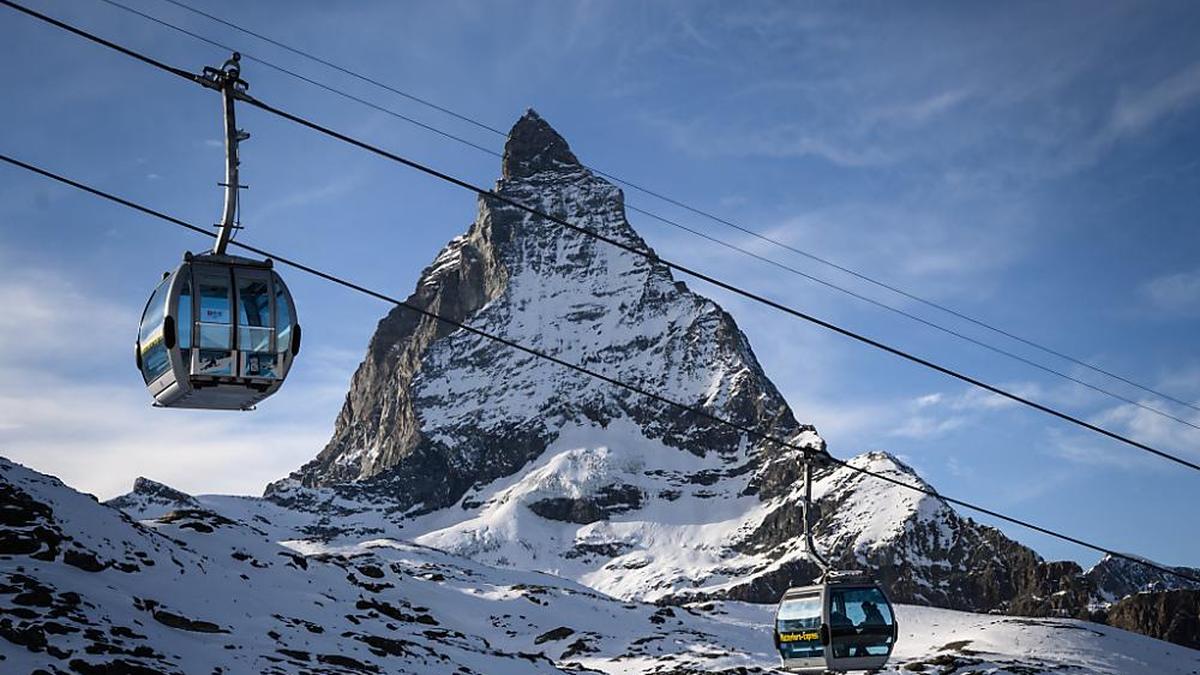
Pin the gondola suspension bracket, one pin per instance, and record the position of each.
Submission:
(228, 80)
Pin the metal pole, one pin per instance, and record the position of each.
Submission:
(229, 77)
(809, 546)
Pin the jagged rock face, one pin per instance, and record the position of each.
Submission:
(150, 499)
(919, 548)
(1168, 615)
(1115, 578)
(433, 411)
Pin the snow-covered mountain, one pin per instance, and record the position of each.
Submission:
(1116, 578)
(434, 413)
(479, 449)
(84, 588)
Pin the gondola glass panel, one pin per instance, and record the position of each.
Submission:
(153, 357)
(798, 626)
(283, 316)
(214, 326)
(860, 622)
(256, 338)
(184, 320)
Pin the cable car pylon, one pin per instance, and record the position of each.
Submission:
(220, 332)
(842, 622)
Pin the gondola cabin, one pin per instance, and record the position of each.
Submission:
(219, 333)
(843, 624)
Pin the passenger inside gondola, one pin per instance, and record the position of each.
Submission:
(858, 625)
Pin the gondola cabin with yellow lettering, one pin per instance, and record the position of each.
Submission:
(843, 624)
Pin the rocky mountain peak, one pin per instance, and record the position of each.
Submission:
(534, 146)
(149, 499)
(145, 486)
(434, 413)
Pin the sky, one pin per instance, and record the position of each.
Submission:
(1032, 165)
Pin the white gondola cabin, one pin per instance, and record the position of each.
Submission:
(844, 623)
(219, 332)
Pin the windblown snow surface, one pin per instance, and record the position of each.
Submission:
(210, 588)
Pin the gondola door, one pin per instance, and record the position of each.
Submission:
(800, 630)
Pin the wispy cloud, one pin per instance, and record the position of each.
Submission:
(1153, 429)
(1177, 293)
(1135, 111)
(60, 414)
(712, 138)
(43, 311)
(924, 427)
(341, 186)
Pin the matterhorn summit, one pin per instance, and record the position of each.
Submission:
(436, 414)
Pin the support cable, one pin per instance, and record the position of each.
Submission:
(650, 214)
(660, 196)
(649, 255)
(806, 452)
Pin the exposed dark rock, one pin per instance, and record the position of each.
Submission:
(372, 571)
(1173, 616)
(200, 520)
(554, 634)
(382, 646)
(608, 501)
(580, 646)
(1114, 578)
(347, 662)
(147, 492)
(534, 146)
(117, 667)
(84, 560)
(173, 620)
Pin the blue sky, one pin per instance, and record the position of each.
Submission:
(1035, 165)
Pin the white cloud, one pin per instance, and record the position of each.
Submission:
(1177, 293)
(63, 413)
(1135, 111)
(928, 400)
(717, 138)
(99, 437)
(922, 111)
(1153, 429)
(921, 427)
(1134, 114)
(43, 312)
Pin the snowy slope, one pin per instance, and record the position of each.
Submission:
(198, 592)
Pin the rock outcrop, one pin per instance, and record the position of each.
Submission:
(1168, 615)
